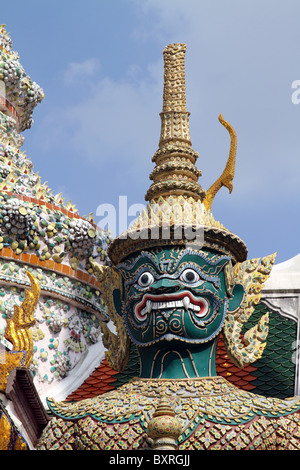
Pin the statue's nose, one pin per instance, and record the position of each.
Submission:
(164, 286)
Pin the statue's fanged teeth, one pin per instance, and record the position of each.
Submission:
(186, 302)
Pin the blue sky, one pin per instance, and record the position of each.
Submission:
(101, 67)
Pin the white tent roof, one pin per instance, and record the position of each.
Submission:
(285, 276)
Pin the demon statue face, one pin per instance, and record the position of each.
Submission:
(176, 296)
(172, 304)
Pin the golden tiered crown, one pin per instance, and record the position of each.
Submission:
(175, 197)
(175, 172)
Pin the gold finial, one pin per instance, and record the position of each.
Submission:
(174, 116)
(18, 333)
(164, 428)
(174, 78)
(175, 173)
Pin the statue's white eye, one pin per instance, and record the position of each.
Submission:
(189, 276)
(145, 279)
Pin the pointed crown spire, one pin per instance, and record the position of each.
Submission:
(175, 172)
(175, 197)
(174, 116)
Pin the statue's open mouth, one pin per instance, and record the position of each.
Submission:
(184, 299)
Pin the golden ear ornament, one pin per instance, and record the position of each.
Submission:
(251, 274)
(117, 345)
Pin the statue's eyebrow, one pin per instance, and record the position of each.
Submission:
(210, 266)
(137, 263)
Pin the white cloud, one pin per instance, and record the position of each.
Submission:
(110, 116)
(78, 71)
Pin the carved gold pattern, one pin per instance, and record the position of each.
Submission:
(175, 211)
(5, 427)
(18, 333)
(117, 345)
(252, 274)
(228, 174)
(10, 439)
